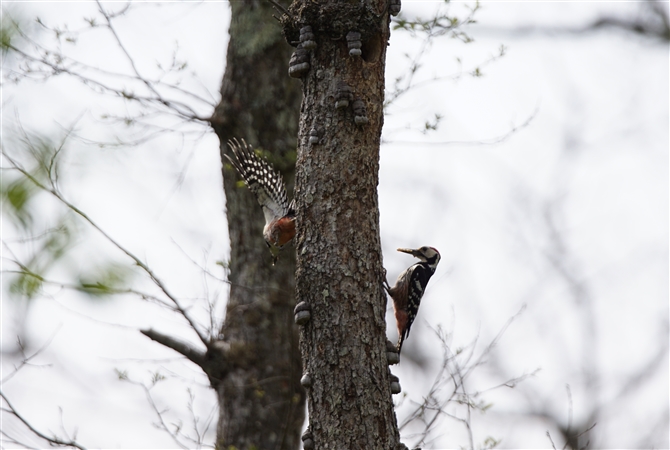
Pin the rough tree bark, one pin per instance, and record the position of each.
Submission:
(339, 259)
(261, 403)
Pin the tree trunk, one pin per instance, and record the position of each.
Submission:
(261, 403)
(339, 259)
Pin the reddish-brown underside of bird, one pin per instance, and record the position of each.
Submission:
(399, 295)
(286, 227)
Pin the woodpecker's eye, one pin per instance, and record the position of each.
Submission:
(424, 249)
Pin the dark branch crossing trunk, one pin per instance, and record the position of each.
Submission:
(339, 261)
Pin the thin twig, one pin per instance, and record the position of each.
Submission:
(156, 280)
(88, 289)
(551, 440)
(66, 64)
(26, 360)
(490, 141)
(280, 8)
(52, 440)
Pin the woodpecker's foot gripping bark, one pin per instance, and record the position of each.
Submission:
(385, 283)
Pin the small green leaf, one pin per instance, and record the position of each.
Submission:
(16, 196)
(27, 284)
(105, 280)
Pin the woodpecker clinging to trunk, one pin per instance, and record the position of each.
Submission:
(409, 288)
(270, 191)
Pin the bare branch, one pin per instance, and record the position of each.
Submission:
(85, 288)
(174, 430)
(551, 440)
(27, 359)
(131, 61)
(182, 348)
(455, 370)
(568, 429)
(490, 141)
(199, 435)
(156, 280)
(45, 62)
(280, 8)
(415, 65)
(55, 441)
(159, 414)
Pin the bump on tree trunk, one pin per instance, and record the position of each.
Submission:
(339, 260)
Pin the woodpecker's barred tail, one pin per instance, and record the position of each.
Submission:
(409, 288)
(270, 191)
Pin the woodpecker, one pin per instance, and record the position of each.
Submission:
(409, 288)
(270, 191)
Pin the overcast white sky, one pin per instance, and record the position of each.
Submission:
(593, 159)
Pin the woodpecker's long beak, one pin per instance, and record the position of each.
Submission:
(275, 255)
(408, 250)
(274, 251)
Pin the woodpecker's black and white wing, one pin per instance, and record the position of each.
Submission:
(418, 276)
(261, 178)
(410, 287)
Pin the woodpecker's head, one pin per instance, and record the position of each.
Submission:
(278, 233)
(274, 251)
(426, 254)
